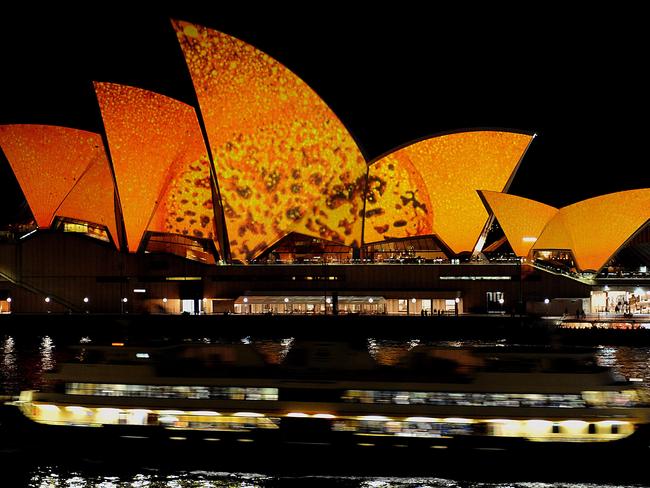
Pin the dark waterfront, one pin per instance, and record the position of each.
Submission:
(25, 357)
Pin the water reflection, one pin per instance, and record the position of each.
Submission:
(46, 353)
(52, 478)
(9, 368)
(629, 362)
(22, 365)
(273, 351)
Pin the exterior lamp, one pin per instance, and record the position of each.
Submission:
(413, 300)
(124, 300)
(547, 301)
(86, 300)
(245, 299)
(8, 299)
(370, 300)
(165, 300)
(47, 299)
(457, 300)
(286, 300)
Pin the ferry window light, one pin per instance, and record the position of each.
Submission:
(465, 399)
(170, 391)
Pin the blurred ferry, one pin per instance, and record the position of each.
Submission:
(326, 393)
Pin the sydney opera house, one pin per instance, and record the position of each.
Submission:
(260, 201)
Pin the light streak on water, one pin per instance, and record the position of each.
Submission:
(52, 478)
(46, 351)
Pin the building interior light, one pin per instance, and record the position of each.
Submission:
(76, 410)
(421, 419)
(28, 234)
(139, 290)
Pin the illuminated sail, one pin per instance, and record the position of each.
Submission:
(429, 187)
(284, 161)
(521, 219)
(160, 162)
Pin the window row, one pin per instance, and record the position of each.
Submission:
(586, 399)
(165, 391)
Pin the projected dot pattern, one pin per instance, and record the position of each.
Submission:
(451, 169)
(397, 201)
(63, 172)
(284, 162)
(48, 161)
(160, 162)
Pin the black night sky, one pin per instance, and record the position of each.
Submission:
(577, 79)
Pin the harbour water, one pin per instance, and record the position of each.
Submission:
(23, 360)
(55, 478)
